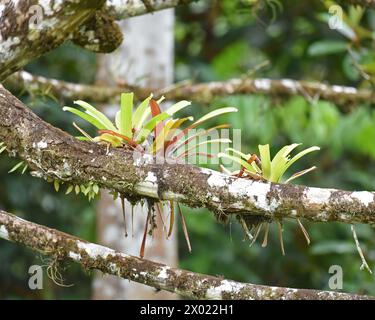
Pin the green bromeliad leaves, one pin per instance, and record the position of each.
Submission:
(135, 127)
(271, 170)
(125, 126)
(94, 113)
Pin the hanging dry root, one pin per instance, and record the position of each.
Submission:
(184, 227)
(281, 240)
(252, 226)
(124, 214)
(53, 266)
(304, 232)
(143, 245)
(155, 209)
(265, 238)
(360, 252)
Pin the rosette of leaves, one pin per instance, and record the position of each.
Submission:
(271, 170)
(148, 129)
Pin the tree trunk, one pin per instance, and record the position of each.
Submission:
(145, 58)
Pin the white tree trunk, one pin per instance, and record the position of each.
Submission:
(145, 58)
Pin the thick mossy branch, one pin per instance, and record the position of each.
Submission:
(344, 97)
(29, 29)
(26, 34)
(52, 153)
(192, 285)
(100, 34)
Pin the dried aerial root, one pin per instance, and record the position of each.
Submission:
(252, 226)
(360, 252)
(124, 214)
(184, 227)
(53, 266)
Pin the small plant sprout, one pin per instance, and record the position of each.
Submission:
(263, 168)
(2, 147)
(19, 165)
(148, 129)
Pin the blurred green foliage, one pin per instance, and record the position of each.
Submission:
(217, 40)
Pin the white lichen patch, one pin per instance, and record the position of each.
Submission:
(140, 159)
(262, 84)
(163, 273)
(6, 48)
(344, 216)
(217, 180)
(290, 84)
(26, 76)
(74, 256)
(317, 195)
(2, 7)
(151, 177)
(113, 267)
(364, 197)
(255, 192)
(322, 216)
(95, 250)
(347, 90)
(4, 232)
(216, 293)
(42, 145)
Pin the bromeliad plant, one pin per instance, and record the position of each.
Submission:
(148, 129)
(263, 168)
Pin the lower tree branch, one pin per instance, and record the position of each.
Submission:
(91, 256)
(344, 97)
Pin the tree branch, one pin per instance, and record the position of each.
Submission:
(62, 90)
(30, 28)
(22, 41)
(102, 34)
(344, 97)
(122, 9)
(53, 153)
(91, 256)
